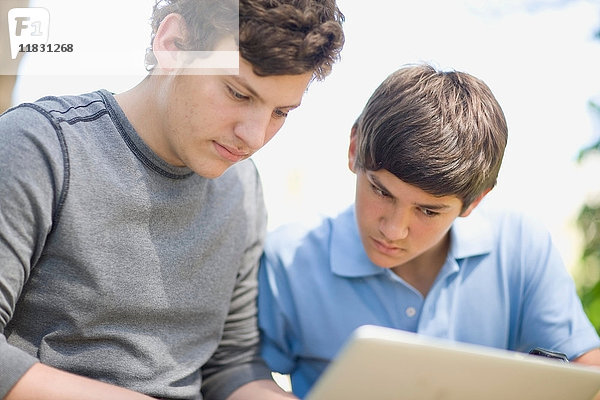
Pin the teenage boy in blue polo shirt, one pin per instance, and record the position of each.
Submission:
(426, 149)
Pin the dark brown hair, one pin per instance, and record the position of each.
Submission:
(278, 37)
(442, 131)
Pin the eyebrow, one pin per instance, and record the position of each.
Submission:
(244, 83)
(382, 187)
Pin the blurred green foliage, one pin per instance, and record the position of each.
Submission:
(588, 272)
(588, 221)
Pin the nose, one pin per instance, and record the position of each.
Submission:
(253, 129)
(394, 225)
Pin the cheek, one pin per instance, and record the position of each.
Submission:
(274, 126)
(368, 212)
(182, 113)
(431, 233)
(199, 102)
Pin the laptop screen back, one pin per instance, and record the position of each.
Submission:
(386, 364)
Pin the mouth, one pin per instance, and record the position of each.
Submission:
(385, 248)
(230, 153)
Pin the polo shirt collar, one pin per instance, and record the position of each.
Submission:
(470, 236)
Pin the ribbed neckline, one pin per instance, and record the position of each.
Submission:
(137, 145)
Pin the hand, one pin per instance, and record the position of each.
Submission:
(592, 357)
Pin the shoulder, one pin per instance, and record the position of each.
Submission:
(24, 118)
(48, 112)
(239, 184)
(502, 226)
(240, 187)
(299, 242)
(507, 238)
(60, 107)
(515, 228)
(314, 230)
(245, 172)
(29, 134)
(40, 121)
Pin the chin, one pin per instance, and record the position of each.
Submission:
(382, 261)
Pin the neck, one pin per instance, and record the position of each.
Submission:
(421, 271)
(140, 105)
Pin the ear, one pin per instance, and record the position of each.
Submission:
(475, 203)
(352, 149)
(170, 33)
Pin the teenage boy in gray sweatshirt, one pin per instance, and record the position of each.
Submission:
(131, 225)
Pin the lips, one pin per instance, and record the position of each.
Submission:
(230, 153)
(385, 248)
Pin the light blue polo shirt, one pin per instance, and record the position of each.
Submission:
(503, 285)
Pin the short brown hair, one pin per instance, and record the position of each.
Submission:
(278, 37)
(442, 131)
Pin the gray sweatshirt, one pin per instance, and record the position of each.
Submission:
(118, 266)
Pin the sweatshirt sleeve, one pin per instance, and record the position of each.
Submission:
(31, 180)
(237, 360)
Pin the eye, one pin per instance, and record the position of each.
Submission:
(429, 213)
(236, 95)
(379, 192)
(278, 113)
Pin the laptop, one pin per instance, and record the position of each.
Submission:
(387, 364)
